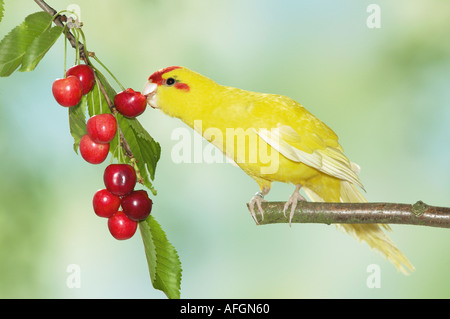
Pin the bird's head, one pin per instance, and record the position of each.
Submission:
(175, 89)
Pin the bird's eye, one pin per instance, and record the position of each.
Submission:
(170, 81)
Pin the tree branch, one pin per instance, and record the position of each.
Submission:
(358, 213)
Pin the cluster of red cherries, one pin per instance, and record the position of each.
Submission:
(119, 179)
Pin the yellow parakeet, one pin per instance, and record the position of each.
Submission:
(271, 138)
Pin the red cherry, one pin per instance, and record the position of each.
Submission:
(92, 152)
(137, 205)
(119, 179)
(102, 128)
(130, 103)
(85, 74)
(67, 91)
(121, 227)
(105, 204)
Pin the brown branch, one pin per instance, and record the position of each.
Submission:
(358, 213)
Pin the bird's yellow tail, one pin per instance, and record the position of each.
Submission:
(372, 234)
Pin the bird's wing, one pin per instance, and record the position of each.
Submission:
(301, 137)
(327, 159)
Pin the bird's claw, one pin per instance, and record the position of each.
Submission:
(292, 201)
(257, 199)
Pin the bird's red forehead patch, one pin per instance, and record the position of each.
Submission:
(157, 76)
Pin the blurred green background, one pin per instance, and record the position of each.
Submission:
(384, 91)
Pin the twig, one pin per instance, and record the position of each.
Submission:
(358, 213)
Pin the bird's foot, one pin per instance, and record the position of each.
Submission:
(257, 199)
(293, 201)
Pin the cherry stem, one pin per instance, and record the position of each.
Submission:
(109, 72)
(65, 51)
(77, 50)
(85, 47)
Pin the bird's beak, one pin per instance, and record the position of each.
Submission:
(149, 91)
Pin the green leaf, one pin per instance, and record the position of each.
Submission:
(39, 47)
(2, 9)
(163, 262)
(77, 122)
(16, 43)
(145, 149)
